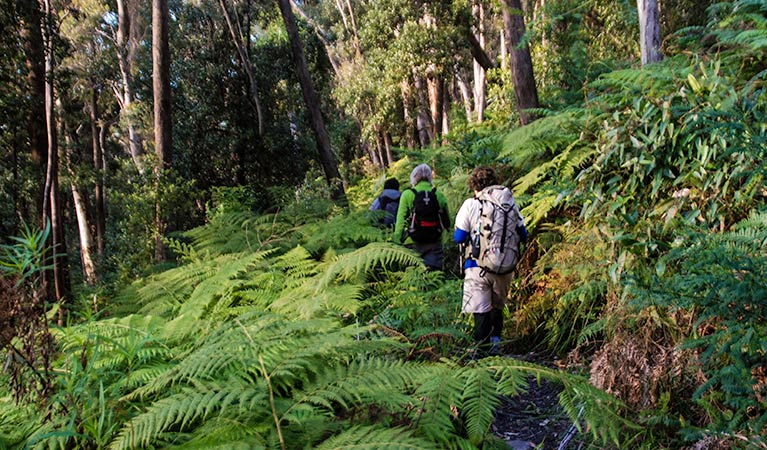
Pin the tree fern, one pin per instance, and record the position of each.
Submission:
(527, 146)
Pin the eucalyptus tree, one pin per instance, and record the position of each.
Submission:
(163, 143)
(29, 30)
(316, 121)
(128, 36)
(649, 31)
(52, 209)
(241, 40)
(522, 72)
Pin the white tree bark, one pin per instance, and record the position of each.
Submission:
(649, 31)
(480, 80)
(126, 54)
(86, 238)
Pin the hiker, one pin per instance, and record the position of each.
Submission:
(422, 217)
(490, 228)
(388, 202)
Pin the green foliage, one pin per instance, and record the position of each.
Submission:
(719, 279)
(226, 200)
(30, 254)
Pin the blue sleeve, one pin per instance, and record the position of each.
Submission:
(522, 233)
(460, 235)
(376, 205)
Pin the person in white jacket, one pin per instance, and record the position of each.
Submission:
(484, 292)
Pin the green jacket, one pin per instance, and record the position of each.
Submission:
(406, 208)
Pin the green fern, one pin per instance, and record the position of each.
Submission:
(361, 261)
(375, 438)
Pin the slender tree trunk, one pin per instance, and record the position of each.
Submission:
(81, 213)
(521, 61)
(436, 86)
(354, 27)
(466, 94)
(388, 145)
(372, 154)
(322, 35)
(312, 104)
(380, 148)
(424, 124)
(480, 84)
(240, 43)
(99, 213)
(408, 107)
(649, 31)
(447, 104)
(86, 240)
(161, 83)
(32, 41)
(51, 206)
(126, 54)
(162, 114)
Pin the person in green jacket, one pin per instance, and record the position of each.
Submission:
(422, 216)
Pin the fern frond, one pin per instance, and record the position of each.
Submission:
(343, 231)
(185, 408)
(480, 398)
(440, 391)
(360, 261)
(219, 433)
(307, 302)
(228, 233)
(375, 438)
(297, 264)
(528, 145)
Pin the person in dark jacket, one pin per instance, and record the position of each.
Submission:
(388, 202)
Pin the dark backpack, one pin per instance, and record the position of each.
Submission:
(425, 223)
(389, 206)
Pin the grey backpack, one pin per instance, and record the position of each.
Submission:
(496, 244)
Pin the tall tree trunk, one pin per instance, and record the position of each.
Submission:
(521, 61)
(388, 145)
(424, 124)
(480, 84)
(649, 31)
(240, 42)
(81, 213)
(466, 94)
(127, 43)
(380, 147)
(436, 86)
(408, 108)
(32, 41)
(99, 210)
(354, 27)
(162, 113)
(51, 206)
(312, 104)
(86, 240)
(161, 83)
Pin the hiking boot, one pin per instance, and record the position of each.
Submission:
(495, 346)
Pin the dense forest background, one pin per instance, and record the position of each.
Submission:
(188, 260)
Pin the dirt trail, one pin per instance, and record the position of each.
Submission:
(534, 418)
